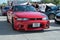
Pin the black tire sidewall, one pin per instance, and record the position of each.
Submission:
(7, 19)
(13, 24)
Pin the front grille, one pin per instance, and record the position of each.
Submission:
(58, 17)
(35, 18)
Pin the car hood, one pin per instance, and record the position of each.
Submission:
(29, 14)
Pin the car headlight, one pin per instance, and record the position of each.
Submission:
(45, 18)
(22, 19)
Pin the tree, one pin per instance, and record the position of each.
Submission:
(3, 4)
(52, 1)
(47, 1)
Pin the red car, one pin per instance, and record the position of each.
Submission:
(25, 17)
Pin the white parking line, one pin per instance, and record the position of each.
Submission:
(3, 18)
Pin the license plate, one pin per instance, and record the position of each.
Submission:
(36, 24)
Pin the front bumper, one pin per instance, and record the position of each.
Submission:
(27, 25)
(57, 19)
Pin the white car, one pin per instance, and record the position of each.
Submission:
(57, 18)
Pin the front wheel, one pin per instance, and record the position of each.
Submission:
(13, 24)
(52, 16)
(7, 19)
(14, 27)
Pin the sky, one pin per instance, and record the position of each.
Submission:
(1, 1)
(5, 1)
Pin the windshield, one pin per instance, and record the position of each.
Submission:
(54, 7)
(24, 8)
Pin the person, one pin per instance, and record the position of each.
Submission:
(35, 4)
(42, 7)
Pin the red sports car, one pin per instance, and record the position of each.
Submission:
(25, 17)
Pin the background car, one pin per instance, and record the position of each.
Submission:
(49, 10)
(57, 17)
(4, 10)
(25, 17)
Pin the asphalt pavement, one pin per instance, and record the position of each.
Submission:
(6, 32)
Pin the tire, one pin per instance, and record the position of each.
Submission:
(7, 19)
(51, 16)
(13, 25)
